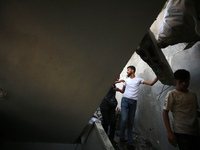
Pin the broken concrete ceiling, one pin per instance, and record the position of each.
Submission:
(152, 54)
(58, 60)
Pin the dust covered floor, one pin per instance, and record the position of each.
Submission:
(139, 141)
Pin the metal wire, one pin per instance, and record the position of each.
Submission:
(162, 91)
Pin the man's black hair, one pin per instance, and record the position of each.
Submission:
(132, 67)
(181, 74)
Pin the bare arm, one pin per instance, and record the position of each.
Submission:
(171, 137)
(119, 81)
(121, 90)
(151, 83)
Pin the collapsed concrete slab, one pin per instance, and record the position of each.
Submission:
(59, 59)
(96, 139)
(149, 51)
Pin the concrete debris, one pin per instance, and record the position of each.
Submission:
(149, 51)
(140, 142)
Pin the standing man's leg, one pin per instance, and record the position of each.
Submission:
(131, 115)
(124, 116)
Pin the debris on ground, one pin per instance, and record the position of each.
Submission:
(140, 142)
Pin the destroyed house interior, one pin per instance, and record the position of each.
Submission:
(59, 59)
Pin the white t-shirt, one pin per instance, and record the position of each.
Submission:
(132, 87)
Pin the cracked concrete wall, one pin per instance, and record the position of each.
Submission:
(148, 119)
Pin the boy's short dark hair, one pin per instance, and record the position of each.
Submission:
(181, 74)
(132, 67)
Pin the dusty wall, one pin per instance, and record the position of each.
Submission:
(148, 119)
(149, 113)
(58, 59)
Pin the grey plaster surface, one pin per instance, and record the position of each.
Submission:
(58, 59)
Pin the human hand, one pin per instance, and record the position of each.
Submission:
(172, 139)
(116, 89)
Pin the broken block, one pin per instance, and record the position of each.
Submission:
(149, 51)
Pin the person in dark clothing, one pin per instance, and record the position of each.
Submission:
(107, 107)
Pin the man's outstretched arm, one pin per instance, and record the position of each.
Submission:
(151, 83)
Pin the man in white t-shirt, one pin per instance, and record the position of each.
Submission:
(129, 103)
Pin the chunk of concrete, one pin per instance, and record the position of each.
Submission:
(149, 51)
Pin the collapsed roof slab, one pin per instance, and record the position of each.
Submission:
(149, 51)
(59, 59)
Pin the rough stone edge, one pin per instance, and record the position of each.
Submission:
(103, 136)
